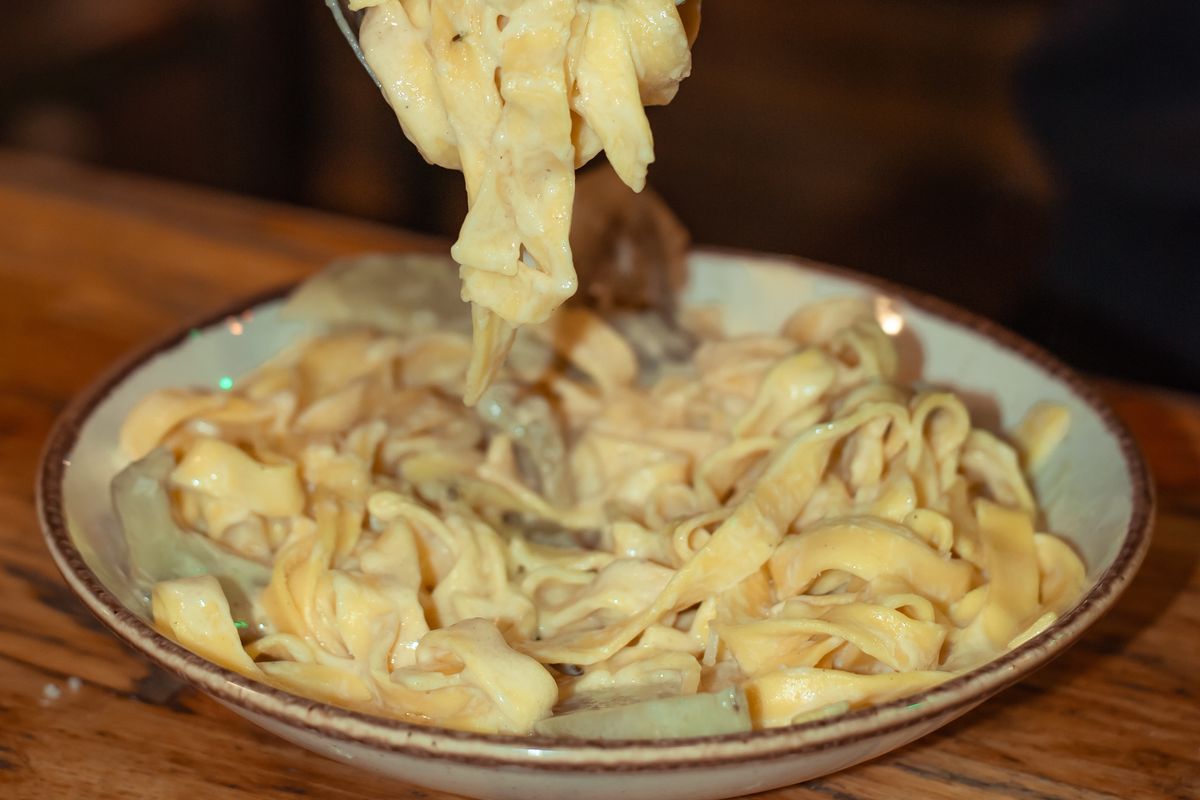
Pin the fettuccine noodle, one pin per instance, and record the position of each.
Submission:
(517, 94)
(776, 516)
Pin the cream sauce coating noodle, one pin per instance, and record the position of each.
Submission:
(777, 515)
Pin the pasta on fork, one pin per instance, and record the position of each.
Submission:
(517, 94)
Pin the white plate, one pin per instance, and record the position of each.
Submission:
(1095, 492)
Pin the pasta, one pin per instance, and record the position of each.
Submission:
(773, 516)
(517, 94)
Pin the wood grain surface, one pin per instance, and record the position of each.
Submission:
(91, 264)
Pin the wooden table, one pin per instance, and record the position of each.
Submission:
(92, 264)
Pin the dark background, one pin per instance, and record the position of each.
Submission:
(1032, 160)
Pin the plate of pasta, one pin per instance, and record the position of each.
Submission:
(629, 521)
(800, 521)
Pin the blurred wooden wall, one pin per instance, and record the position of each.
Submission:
(874, 133)
(878, 134)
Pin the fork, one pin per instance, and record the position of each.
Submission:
(348, 22)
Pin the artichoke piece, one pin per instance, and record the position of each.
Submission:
(664, 718)
(405, 295)
(160, 550)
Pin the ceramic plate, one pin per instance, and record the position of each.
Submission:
(1094, 490)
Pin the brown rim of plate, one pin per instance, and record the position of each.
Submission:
(947, 699)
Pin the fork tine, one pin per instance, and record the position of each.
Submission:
(348, 23)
